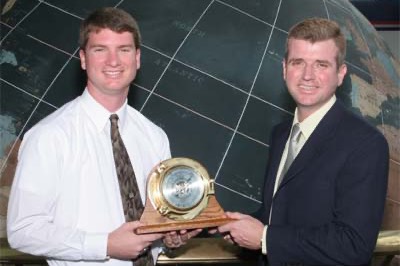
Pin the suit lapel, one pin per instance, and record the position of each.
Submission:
(280, 134)
(315, 143)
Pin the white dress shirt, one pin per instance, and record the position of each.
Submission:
(65, 198)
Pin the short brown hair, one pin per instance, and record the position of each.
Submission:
(109, 18)
(319, 29)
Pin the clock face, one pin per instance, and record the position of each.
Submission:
(179, 188)
(182, 187)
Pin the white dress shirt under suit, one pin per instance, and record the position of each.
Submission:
(65, 198)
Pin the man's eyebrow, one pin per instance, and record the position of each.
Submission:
(96, 45)
(296, 59)
(326, 62)
(105, 45)
(317, 61)
(126, 45)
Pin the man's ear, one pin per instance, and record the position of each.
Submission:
(341, 73)
(284, 69)
(83, 59)
(138, 53)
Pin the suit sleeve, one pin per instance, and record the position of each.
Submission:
(350, 238)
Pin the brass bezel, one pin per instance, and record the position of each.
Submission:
(157, 199)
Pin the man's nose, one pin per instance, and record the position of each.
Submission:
(308, 72)
(113, 58)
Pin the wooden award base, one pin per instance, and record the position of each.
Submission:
(211, 216)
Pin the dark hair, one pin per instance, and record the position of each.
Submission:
(109, 18)
(319, 29)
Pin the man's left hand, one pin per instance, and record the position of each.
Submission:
(176, 239)
(246, 231)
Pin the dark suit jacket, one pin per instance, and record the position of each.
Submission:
(329, 206)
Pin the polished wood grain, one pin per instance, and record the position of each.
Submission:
(211, 216)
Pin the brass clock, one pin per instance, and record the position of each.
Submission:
(179, 188)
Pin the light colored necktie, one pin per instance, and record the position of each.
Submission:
(130, 195)
(293, 150)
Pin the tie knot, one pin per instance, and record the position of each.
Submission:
(114, 125)
(114, 120)
(296, 133)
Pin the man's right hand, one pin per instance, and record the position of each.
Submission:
(124, 243)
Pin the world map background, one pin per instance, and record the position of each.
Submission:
(210, 77)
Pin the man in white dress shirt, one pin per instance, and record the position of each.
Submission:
(65, 202)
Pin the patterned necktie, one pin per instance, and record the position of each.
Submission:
(293, 149)
(130, 195)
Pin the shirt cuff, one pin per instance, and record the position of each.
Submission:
(95, 247)
(264, 241)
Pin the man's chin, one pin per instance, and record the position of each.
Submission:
(117, 87)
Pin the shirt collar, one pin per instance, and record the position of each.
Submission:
(310, 123)
(99, 115)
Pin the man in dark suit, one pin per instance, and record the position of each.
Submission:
(326, 179)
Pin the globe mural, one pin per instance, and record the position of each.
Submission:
(211, 77)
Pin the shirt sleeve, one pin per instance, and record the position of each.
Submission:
(166, 148)
(33, 203)
(264, 241)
